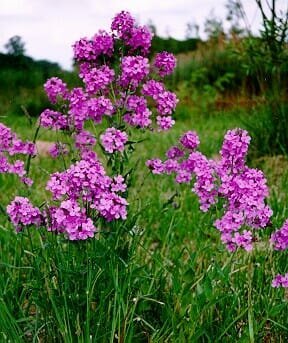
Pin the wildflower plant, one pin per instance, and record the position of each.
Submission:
(119, 85)
(229, 183)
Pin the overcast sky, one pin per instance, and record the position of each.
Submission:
(50, 27)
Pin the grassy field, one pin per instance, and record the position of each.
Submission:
(162, 276)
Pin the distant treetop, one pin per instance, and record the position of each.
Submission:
(15, 46)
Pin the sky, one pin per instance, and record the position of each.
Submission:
(50, 27)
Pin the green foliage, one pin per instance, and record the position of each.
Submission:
(164, 276)
(268, 126)
(22, 81)
(174, 45)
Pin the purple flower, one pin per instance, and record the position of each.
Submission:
(98, 79)
(140, 114)
(190, 140)
(111, 206)
(19, 147)
(27, 181)
(84, 50)
(17, 168)
(140, 39)
(53, 120)
(103, 43)
(134, 70)
(153, 88)
(58, 149)
(113, 140)
(156, 166)
(279, 239)
(98, 107)
(174, 153)
(55, 88)
(118, 184)
(242, 190)
(165, 123)
(123, 24)
(171, 166)
(234, 150)
(84, 139)
(280, 281)
(6, 137)
(165, 62)
(166, 103)
(141, 119)
(23, 213)
(71, 219)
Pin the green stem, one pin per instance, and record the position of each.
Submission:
(29, 157)
(250, 303)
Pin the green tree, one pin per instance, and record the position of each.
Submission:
(15, 46)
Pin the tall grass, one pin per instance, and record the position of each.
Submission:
(163, 276)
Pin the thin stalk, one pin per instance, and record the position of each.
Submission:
(250, 302)
(29, 157)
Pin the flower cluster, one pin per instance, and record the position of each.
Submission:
(11, 145)
(138, 114)
(55, 88)
(108, 87)
(113, 140)
(118, 83)
(90, 49)
(134, 70)
(243, 190)
(189, 165)
(22, 213)
(279, 240)
(53, 120)
(280, 281)
(71, 219)
(165, 102)
(165, 62)
(97, 79)
(87, 182)
(134, 36)
(58, 149)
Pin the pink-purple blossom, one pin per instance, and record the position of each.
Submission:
(133, 70)
(165, 123)
(165, 62)
(87, 182)
(53, 120)
(243, 190)
(55, 88)
(123, 24)
(279, 238)
(98, 107)
(98, 79)
(58, 149)
(11, 145)
(71, 219)
(280, 281)
(113, 140)
(190, 140)
(84, 139)
(103, 43)
(22, 213)
(140, 39)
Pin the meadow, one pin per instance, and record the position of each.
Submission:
(163, 274)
